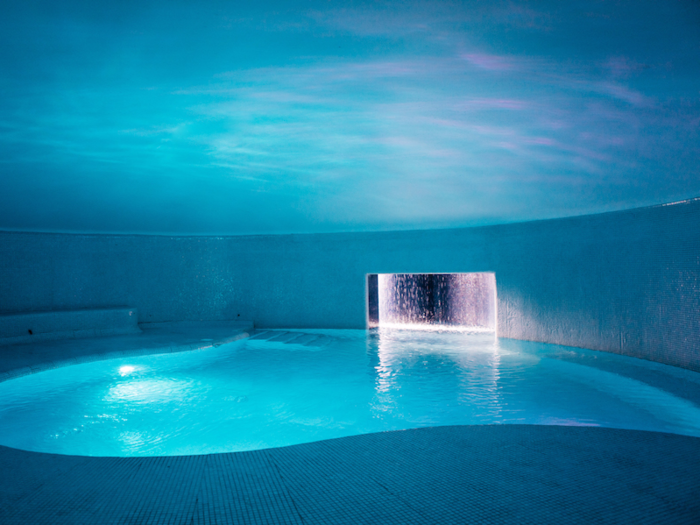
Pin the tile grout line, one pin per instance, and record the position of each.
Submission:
(420, 513)
(284, 484)
(198, 490)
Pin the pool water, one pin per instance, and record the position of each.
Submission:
(255, 393)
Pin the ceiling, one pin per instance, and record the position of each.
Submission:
(232, 118)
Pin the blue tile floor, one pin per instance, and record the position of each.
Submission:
(441, 475)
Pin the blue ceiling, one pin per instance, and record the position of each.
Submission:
(227, 118)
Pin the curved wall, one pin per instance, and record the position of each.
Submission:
(625, 282)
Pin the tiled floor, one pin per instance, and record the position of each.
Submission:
(442, 475)
(480, 474)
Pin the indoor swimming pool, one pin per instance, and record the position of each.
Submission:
(289, 387)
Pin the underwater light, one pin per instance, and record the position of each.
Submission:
(125, 370)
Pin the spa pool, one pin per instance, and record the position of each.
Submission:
(304, 386)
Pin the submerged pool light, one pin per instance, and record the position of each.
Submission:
(126, 370)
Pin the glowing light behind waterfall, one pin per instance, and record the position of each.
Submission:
(460, 301)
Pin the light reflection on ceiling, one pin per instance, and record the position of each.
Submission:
(233, 118)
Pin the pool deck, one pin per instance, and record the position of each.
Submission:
(439, 475)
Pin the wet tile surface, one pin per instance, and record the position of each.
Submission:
(467, 474)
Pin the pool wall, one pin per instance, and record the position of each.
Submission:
(625, 282)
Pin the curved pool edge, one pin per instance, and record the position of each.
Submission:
(18, 360)
(168, 338)
(450, 474)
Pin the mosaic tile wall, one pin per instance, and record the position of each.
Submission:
(624, 282)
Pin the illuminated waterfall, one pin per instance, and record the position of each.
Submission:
(462, 301)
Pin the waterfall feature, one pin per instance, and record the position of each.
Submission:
(464, 301)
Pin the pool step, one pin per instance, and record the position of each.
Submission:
(263, 335)
(303, 339)
(295, 338)
(283, 337)
(319, 341)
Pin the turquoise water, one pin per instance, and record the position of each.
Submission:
(254, 394)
